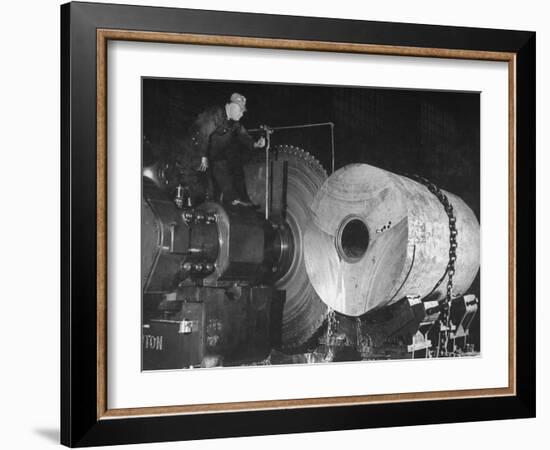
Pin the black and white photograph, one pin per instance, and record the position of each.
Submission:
(304, 224)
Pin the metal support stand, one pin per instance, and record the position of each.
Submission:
(268, 132)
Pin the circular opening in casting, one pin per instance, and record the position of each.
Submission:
(353, 239)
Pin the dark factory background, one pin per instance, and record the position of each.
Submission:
(434, 134)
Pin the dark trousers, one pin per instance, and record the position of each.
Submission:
(229, 181)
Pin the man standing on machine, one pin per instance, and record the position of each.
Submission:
(223, 146)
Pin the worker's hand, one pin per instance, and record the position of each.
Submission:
(260, 143)
(204, 164)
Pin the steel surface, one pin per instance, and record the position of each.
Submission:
(407, 241)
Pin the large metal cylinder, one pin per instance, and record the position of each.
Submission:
(251, 249)
(376, 237)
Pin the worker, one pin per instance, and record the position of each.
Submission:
(219, 143)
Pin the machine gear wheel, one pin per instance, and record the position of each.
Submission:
(304, 312)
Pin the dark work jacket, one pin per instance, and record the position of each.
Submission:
(220, 139)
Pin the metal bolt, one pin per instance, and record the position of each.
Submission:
(188, 216)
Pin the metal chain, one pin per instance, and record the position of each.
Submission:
(450, 270)
(331, 323)
(329, 336)
(364, 342)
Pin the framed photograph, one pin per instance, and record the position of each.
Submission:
(277, 224)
